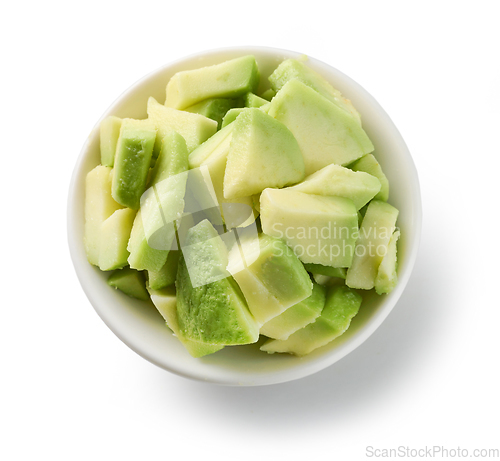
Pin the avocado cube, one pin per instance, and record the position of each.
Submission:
(229, 79)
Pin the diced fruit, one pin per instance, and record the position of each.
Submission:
(339, 272)
(115, 234)
(335, 180)
(374, 234)
(387, 276)
(203, 151)
(231, 115)
(252, 100)
(214, 108)
(268, 94)
(342, 304)
(99, 206)
(326, 134)
(229, 79)
(213, 312)
(109, 132)
(270, 275)
(297, 316)
(167, 274)
(162, 204)
(370, 165)
(132, 161)
(130, 282)
(294, 69)
(263, 153)
(194, 128)
(320, 230)
(165, 301)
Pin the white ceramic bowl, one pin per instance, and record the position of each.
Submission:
(143, 329)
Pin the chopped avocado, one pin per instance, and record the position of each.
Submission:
(163, 203)
(109, 132)
(342, 304)
(268, 94)
(213, 312)
(375, 233)
(229, 79)
(132, 161)
(99, 206)
(320, 230)
(252, 100)
(167, 274)
(214, 108)
(338, 272)
(231, 115)
(297, 316)
(165, 300)
(194, 128)
(369, 164)
(263, 153)
(326, 134)
(115, 234)
(204, 150)
(291, 69)
(337, 180)
(130, 282)
(387, 276)
(270, 275)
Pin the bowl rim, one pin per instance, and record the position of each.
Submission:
(303, 368)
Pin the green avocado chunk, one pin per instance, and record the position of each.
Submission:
(165, 300)
(130, 282)
(297, 316)
(210, 306)
(263, 153)
(341, 305)
(293, 69)
(229, 79)
(132, 160)
(326, 133)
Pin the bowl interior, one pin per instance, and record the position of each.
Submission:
(142, 328)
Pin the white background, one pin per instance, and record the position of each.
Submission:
(70, 390)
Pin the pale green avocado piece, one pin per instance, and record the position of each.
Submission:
(109, 131)
(270, 275)
(231, 115)
(375, 233)
(130, 282)
(320, 230)
(342, 304)
(229, 79)
(325, 133)
(194, 128)
(212, 312)
(252, 100)
(327, 280)
(236, 212)
(268, 94)
(204, 150)
(339, 181)
(339, 272)
(294, 69)
(387, 276)
(263, 153)
(132, 161)
(167, 274)
(115, 234)
(162, 204)
(369, 164)
(297, 316)
(165, 300)
(214, 108)
(99, 206)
